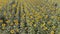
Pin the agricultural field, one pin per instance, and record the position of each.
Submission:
(29, 16)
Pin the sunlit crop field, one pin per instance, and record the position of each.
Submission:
(29, 16)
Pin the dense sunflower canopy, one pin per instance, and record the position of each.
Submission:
(29, 16)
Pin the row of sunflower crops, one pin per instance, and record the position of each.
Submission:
(29, 17)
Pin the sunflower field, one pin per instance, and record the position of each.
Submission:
(29, 16)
